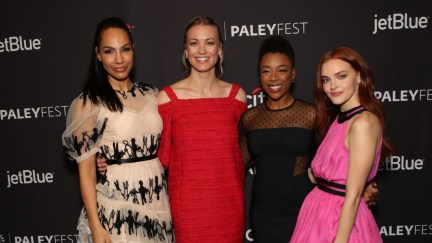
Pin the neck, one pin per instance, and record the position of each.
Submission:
(281, 103)
(121, 85)
(203, 82)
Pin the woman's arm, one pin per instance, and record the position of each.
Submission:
(243, 144)
(87, 178)
(362, 139)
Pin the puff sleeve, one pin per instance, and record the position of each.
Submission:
(83, 130)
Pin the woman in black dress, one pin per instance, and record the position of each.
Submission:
(278, 137)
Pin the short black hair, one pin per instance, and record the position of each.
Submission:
(277, 44)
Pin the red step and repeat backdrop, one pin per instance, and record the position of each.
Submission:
(45, 50)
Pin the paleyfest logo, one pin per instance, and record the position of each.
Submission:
(404, 95)
(265, 29)
(72, 238)
(33, 112)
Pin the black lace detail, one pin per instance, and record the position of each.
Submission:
(142, 194)
(299, 114)
(141, 87)
(123, 93)
(131, 149)
(74, 146)
(150, 228)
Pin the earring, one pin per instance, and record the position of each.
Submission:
(186, 55)
(292, 80)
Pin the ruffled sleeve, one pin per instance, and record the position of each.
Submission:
(164, 153)
(83, 130)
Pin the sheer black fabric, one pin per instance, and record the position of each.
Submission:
(280, 144)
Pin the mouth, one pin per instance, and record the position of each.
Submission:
(202, 59)
(275, 87)
(335, 94)
(120, 69)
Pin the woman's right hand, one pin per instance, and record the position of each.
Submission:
(100, 235)
(101, 164)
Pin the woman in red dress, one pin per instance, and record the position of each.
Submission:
(199, 145)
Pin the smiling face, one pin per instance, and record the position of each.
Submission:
(276, 75)
(340, 83)
(202, 48)
(115, 51)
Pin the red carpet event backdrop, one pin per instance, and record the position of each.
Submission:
(45, 49)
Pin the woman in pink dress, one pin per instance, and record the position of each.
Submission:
(352, 121)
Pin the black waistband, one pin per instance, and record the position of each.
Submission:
(331, 187)
(131, 160)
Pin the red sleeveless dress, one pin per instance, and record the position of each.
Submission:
(199, 146)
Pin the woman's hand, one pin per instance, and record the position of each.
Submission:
(101, 164)
(100, 235)
(371, 194)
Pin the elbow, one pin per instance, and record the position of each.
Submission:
(353, 198)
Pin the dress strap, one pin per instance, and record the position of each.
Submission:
(170, 92)
(234, 90)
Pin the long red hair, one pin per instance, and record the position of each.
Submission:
(327, 111)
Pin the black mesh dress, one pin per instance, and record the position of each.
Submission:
(280, 144)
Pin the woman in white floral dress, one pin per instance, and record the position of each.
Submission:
(118, 120)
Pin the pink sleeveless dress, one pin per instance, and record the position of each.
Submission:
(320, 212)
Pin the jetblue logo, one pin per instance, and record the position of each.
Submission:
(18, 43)
(399, 21)
(28, 177)
(396, 163)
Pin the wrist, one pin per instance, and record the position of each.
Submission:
(94, 224)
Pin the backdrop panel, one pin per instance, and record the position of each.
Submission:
(45, 50)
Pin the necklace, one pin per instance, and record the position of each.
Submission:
(124, 93)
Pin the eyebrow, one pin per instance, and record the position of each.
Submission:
(340, 72)
(282, 65)
(195, 39)
(123, 46)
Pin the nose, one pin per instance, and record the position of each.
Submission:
(333, 84)
(274, 76)
(119, 58)
(202, 49)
